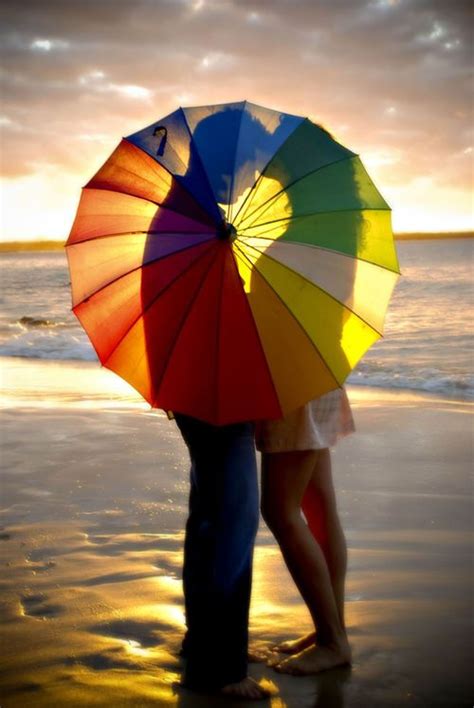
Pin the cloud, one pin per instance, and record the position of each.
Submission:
(217, 61)
(95, 80)
(391, 77)
(48, 45)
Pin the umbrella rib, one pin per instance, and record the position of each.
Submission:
(151, 201)
(152, 302)
(184, 317)
(141, 266)
(303, 277)
(264, 169)
(311, 213)
(295, 181)
(191, 137)
(137, 233)
(231, 189)
(173, 176)
(319, 248)
(143, 199)
(291, 313)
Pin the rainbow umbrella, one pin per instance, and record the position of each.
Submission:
(231, 262)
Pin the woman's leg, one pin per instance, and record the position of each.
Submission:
(320, 510)
(285, 478)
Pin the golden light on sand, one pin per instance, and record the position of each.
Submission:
(51, 384)
(134, 647)
(173, 614)
(93, 593)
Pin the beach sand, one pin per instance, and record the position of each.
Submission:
(93, 505)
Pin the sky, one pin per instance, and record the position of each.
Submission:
(391, 80)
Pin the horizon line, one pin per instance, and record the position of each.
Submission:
(45, 244)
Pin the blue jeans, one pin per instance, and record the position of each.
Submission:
(218, 551)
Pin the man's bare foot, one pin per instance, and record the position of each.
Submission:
(294, 646)
(314, 659)
(247, 689)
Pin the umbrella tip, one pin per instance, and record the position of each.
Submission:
(226, 231)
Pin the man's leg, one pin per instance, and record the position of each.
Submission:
(220, 534)
(191, 563)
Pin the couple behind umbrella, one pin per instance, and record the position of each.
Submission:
(220, 534)
(235, 319)
(224, 509)
(223, 522)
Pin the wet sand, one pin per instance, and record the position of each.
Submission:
(93, 504)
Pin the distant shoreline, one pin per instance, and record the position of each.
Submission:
(50, 245)
(31, 246)
(437, 235)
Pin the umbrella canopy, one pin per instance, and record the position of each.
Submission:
(231, 262)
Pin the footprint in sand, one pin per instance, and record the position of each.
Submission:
(146, 633)
(112, 658)
(168, 568)
(38, 606)
(41, 567)
(38, 562)
(98, 540)
(42, 555)
(138, 639)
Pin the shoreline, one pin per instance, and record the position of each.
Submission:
(33, 382)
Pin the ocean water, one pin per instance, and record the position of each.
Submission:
(429, 331)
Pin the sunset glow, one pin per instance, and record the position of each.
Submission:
(387, 78)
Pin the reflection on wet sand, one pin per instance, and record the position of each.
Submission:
(91, 593)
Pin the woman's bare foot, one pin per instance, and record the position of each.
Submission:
(294, 646)
(314, 659)
(255, 655)
(247, 689)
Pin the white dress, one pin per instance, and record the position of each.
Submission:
(318, 424)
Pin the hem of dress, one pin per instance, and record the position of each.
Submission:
(290, 447)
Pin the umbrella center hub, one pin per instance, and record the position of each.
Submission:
(226, 232)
